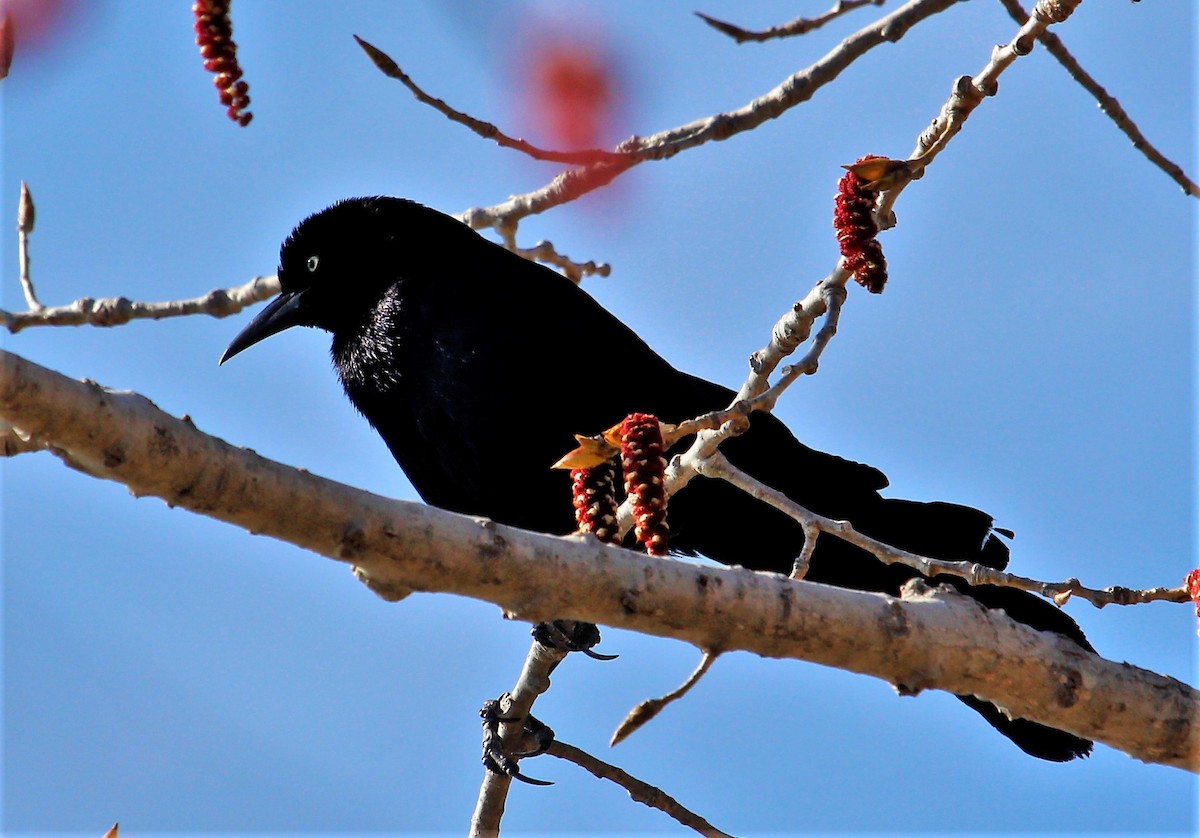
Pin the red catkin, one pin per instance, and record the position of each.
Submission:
(854, 221)
(214, 36)
(593, 494)
(1192, 583)
(645, 466)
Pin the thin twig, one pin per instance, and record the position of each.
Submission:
(1109, 105)
(798, 26)
(788, 333)
(792, 91)
(116, 311)
(756, 393)
(716, 465)
(639, 791)
(544, 251)
(25, 220)
(795, 327)
(966, 95)
(487, 130)
(651, 707)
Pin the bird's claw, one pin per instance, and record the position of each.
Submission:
(495, 759)
(570, 636)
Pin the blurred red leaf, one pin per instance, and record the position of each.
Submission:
(33, 21)
(570, 87)
(7, 42)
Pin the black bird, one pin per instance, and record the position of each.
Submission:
(447, 343)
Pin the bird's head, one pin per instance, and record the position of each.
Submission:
(337, 264)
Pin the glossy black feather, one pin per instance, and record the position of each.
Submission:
(477, 367)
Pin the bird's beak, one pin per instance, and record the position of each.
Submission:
(281, 313)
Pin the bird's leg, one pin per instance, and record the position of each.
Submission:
(570, 636)
(536, 738)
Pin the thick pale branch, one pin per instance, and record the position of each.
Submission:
(931, 639)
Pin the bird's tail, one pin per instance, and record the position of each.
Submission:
(955, 533)
(1034, 739)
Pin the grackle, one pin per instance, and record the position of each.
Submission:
(477, 367)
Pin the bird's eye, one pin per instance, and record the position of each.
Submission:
(312, 263)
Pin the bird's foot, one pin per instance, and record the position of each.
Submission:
(536, 739)
(570, 636)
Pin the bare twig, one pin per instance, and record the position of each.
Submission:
(798, 26)
(967, 94)
(756, 393)
(795, 327)
(25, 221)
(791, 330)
(116, 311)
(582, 157)
(639, 791)
(792, 91)
(544, 251)
(1108, 104)
(716, 465)
(651, 707)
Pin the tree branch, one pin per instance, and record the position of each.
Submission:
(797, 26)
(487, 130)
(792, 91)
(117, 311)
(930, 638)
(717, 466)
(639, 791)
(968, 93)
(651, 707)
(827, 297)
(1111, 107)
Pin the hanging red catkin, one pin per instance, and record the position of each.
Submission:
(593, 493)
(854, 221)
(214, 35)
(644, 465)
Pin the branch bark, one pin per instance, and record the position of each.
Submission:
(117, 311)
(928, 639)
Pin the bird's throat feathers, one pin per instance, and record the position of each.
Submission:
(369, 356)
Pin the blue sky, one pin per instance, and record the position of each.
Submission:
(1033, 355)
